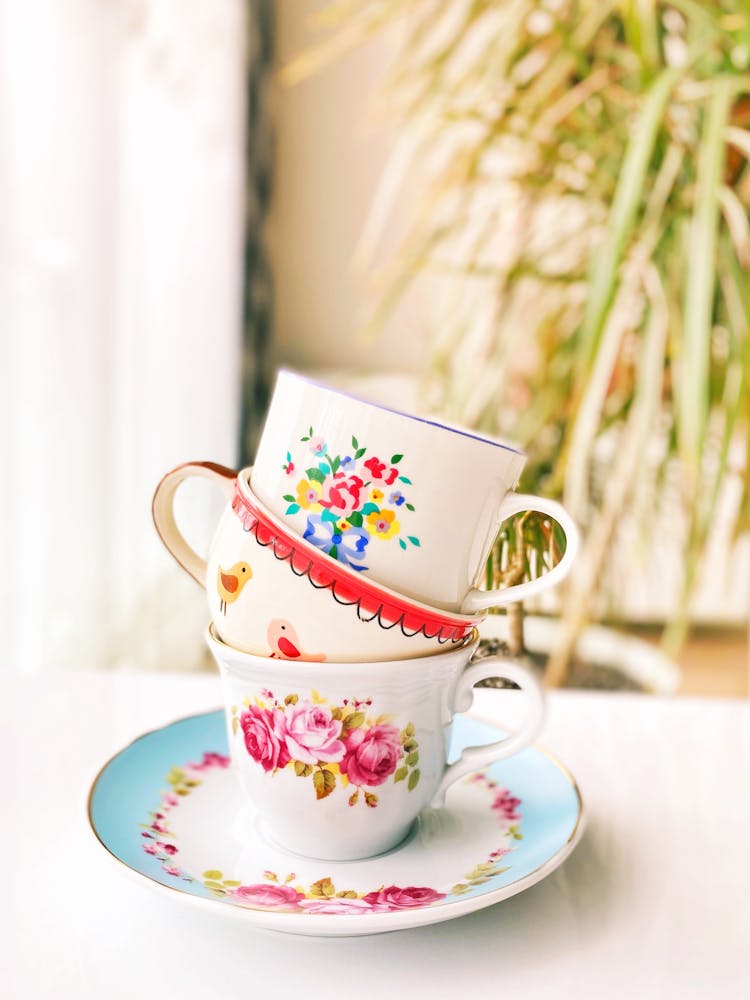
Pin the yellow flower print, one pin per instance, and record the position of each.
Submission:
(376, 495)
(382, 524)
(308, 495)
(344, 525)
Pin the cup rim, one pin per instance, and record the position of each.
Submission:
(331, 667)
(246, 503)
(493, 442)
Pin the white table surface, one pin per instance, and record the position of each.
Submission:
(654, 902)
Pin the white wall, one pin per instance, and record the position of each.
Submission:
(330, 150)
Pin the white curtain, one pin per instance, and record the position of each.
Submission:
(121, 233)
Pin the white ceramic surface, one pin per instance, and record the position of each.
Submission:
(339, 759)
(413, 503)
(272, 593)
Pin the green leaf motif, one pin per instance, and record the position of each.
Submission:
(410, 506)
(336, 464)
(401, 774)
(355, 443)
(328, 515)
(359, 452)
(212, 875)
(333, 552)
(370, 508)
(395, 459)
(353, 721)
(402, 543)
(293, 508)
(288, 497)
(413, 779)
(316, 475)
(413, 759)
(414, 540)
(355, 518)
(324, 782)
(404, 479)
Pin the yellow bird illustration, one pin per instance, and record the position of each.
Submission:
(229, 583)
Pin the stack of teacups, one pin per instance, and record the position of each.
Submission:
(341, 586)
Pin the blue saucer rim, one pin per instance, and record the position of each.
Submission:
(324, 925)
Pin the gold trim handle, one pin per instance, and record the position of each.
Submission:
(162, 509)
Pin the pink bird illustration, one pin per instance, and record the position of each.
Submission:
(285, 644)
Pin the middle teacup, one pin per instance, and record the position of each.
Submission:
(272, 593)
(339, 759)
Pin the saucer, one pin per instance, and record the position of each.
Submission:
(169, 807)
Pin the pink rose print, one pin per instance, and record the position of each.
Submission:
(312, 734)
(264, 737)
(343, 497)
(166, 848)
(150, 848)
(410, 898)
(391, 477)
(507, 805)
(318, 446)
(372, 755)
(336, 904)
(274, 896)
(171, 869)
(211, 759)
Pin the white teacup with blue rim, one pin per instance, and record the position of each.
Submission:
(413, 503)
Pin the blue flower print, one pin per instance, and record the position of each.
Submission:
(349, 545)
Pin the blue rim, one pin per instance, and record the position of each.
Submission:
(494, 443)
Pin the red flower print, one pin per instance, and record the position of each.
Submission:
(391, 477)
(343, 497)
(376, 467)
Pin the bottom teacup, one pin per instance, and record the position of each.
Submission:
(339, 759)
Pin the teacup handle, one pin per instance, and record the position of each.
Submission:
(516, 503)
(474, 758)
(162, 508)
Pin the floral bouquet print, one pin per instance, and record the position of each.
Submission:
(329, 744)
(348, 500)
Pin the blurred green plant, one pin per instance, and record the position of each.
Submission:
(584, 209)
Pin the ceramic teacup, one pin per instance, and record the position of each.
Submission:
(272, 593)
(412, 503)
(338, 760)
